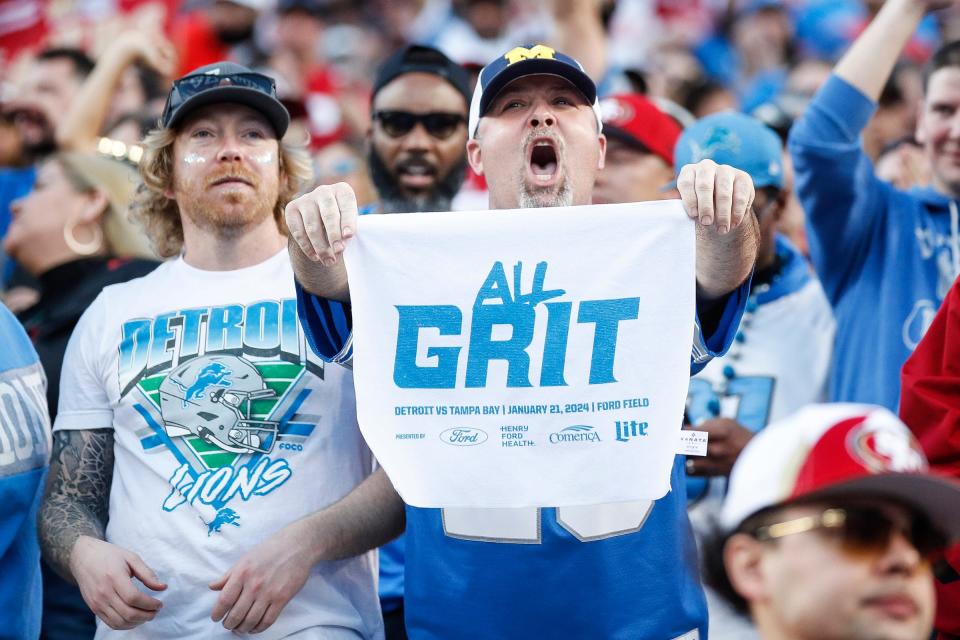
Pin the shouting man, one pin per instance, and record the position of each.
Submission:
(535, 135)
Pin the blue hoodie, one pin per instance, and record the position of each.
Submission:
(886, 257)
(24, 449)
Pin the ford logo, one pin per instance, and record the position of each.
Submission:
(463, 436)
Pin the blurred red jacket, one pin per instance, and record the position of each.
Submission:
(930, 406)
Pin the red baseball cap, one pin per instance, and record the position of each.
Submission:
(831, 451)
(636, 119)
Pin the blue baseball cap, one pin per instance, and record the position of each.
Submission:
(737, 140)
(528, 60)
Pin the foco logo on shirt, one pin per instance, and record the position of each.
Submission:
(220, 389)
(497, 305)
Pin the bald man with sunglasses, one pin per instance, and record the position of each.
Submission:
(831, 528)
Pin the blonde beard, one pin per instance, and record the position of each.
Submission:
(227, 221)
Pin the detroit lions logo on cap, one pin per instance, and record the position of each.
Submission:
(718, 139)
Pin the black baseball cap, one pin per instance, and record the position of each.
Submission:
(315, 8)
(423, 59)
(225, 82)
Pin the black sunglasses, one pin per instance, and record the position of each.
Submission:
(189, 86)
(438, 124)
(862, 530)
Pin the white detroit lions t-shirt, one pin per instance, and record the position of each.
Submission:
(778, 364)
(227, 428)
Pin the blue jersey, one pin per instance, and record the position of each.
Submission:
(24, 449)
(329, 332)
(626, 570)
(556, 573)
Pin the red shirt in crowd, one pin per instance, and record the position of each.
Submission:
(930, 406)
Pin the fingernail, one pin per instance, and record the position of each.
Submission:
(706, 220)
(338, 246)
(328, 262)
(722, 229)
(347, 232)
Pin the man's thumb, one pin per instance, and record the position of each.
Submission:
(220, 582)
(145, 574)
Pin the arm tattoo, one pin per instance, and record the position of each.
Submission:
(77, 495)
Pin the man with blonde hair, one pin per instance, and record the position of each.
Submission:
(200, 447)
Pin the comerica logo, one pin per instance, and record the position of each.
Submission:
(575, 433)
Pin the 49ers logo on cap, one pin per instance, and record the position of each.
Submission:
(882, 448)
(616, 112)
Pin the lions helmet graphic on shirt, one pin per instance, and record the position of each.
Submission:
(210, 397)
(222, 390)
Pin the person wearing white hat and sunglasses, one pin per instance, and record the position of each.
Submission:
(832, 527)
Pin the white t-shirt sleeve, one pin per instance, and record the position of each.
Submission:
(84, 403)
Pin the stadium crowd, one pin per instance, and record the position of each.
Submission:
(178, 179)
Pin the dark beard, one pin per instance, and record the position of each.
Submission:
(392, 198)
(37, 151)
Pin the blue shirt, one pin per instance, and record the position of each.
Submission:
(640, 581)
(24, 423)
(337, 317)
(886, 258)
(14, 184)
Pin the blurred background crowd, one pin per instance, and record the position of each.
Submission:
(763, 57)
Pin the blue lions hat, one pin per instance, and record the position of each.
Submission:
(737, 140)
(528, 60)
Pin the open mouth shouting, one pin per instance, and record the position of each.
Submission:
(543, 162)
(416, 173)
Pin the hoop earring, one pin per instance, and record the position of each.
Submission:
(82, 248)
